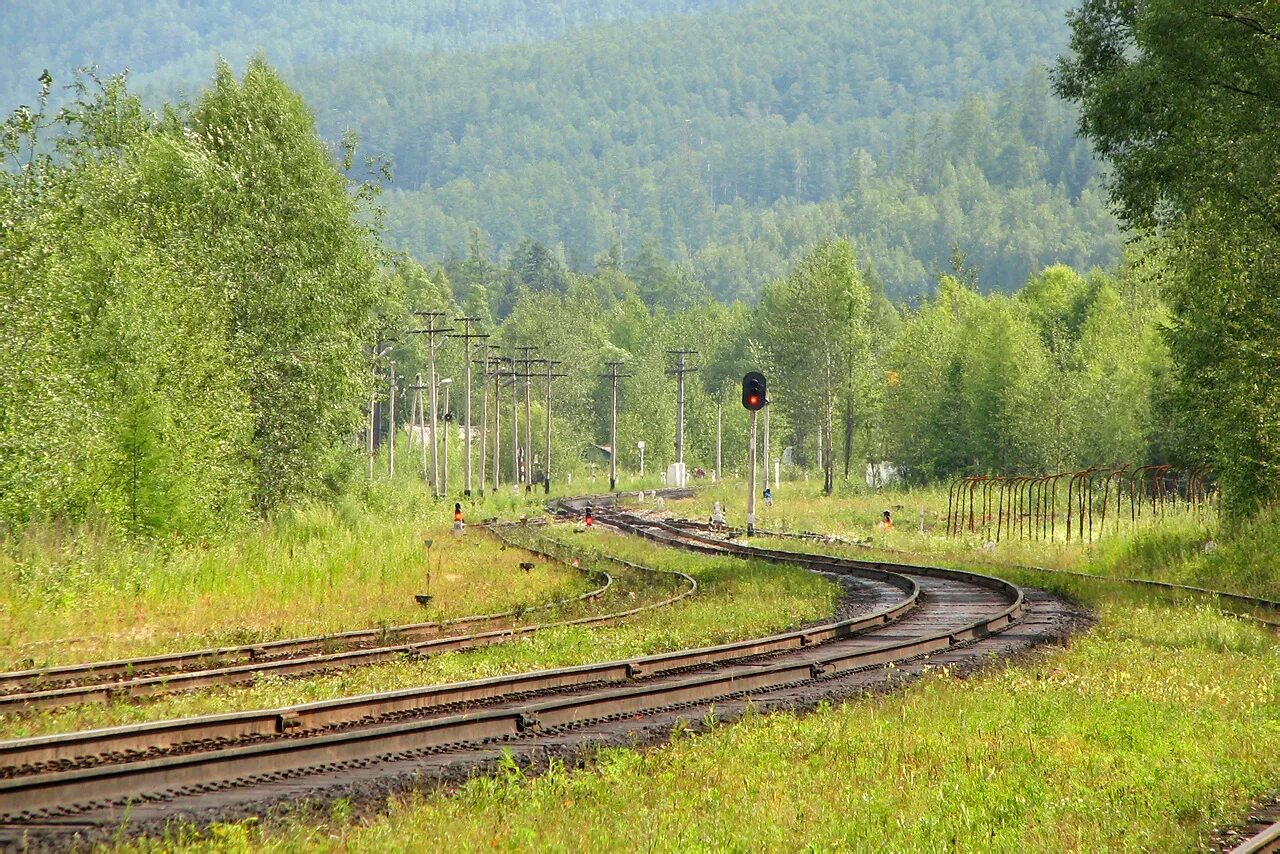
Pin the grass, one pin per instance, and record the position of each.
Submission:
(1182, 547)
(1146, 734)
(735, 600)
(70, 596)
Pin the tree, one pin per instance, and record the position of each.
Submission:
(815, 326)
(1180, 98)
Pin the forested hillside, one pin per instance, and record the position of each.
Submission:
(732, 141)
(728, 137)
(177, 41)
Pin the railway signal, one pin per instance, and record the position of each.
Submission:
(754, 391)
(754, 388)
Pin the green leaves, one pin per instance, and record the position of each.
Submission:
(186, 300)
(1180, 98)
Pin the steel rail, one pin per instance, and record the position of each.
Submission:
(291, 666)
(52, 792)
(254, 653)
(49, 790)
(237, 725)
(1267, 841)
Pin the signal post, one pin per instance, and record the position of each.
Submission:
(754, 398)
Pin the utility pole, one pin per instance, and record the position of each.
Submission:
(448, 421)
(378, 352)
(527, 362)
(420, 418)
(467, 336)
(431, 331)
(498, 375)
(484, 414)
(546, 463)
(391, 423)
(679, 371)
(515, 423)
(613, 378)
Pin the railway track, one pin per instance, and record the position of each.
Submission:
(99, 682)
(83, 781)
(1263, 831)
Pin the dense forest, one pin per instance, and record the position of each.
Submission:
(728, 137)
(734, 141)
(196, 293)
(176, 43)
(192, 297)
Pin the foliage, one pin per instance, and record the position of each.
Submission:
(826, 367)
(728, 137)
(1179, 97)
(186, 295)
(1059, 377)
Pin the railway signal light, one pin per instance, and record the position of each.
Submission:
(754, 391)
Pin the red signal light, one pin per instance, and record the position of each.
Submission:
(753, 400)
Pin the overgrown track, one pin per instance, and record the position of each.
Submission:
(919, 614)
(98, 682)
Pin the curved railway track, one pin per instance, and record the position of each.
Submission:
(99, 682)
(235, 764)
(1263, 832)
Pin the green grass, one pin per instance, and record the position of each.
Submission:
(1146, 734)
(735, 600)
(70, 596)
(1182, 547)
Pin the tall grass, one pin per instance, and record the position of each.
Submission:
(76, 595)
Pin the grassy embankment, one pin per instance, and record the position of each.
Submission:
(1183, 547)
(734, 600)
(1148, 734)
(68, 596)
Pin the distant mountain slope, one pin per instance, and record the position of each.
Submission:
(728, 135)
(171, 42)
(730, 140)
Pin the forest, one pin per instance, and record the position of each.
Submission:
(729, 137)
(195, 293)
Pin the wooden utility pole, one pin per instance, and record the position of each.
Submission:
(613, 376)
(679, 371)
(420, 418)
(515, 423)
(378, 352)
(526, 361)
(546, 463)
(484, 414)
(467, 337)
(498, 375)
(431, 331)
